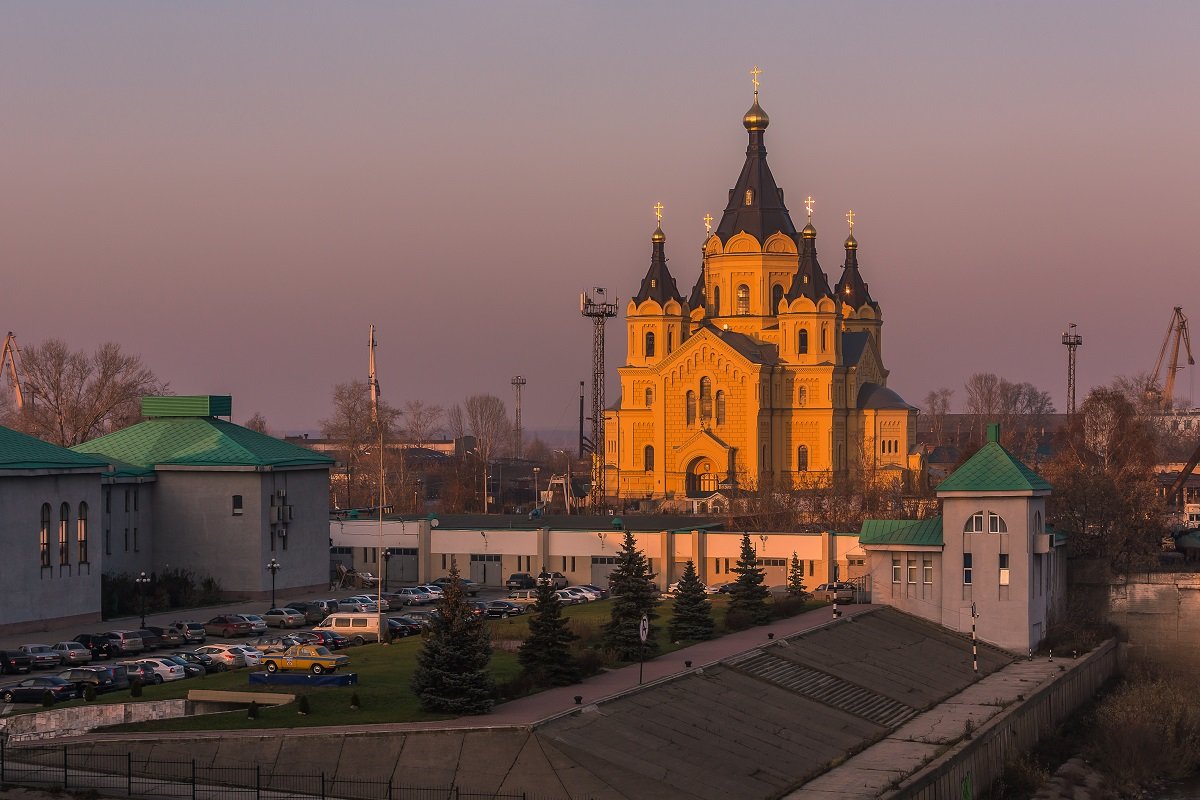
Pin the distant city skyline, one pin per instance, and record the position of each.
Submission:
(236, 192)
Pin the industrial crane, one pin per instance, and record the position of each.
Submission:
(1177, 332)
(10, 357)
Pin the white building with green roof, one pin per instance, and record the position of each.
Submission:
(988, 553)
(49, 502)
(191, 490)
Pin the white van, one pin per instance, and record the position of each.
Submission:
(356, 626)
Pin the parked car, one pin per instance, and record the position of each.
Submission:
(228, 625)
(202, 660)
(252, 656)
(306, 657)
(190, 632)
(523, 597)
(82, 677)
(601, 594)
(520, 580)
(190, 670)
(412, 596)
(14, 661)
(355, 605)
(503, 609)
(163, 669)
(150, 639)
(43, 655)
(583, 595)
(470, 587)
(306, 637)
(223, 654)
(372, 599)
(31, 690)
(674, 588)
(273, 644)
(283, 618)
(167, 637)
(125, 642)
(835, 592)
(404, 626)
(100, 645)
(425, 618)
(555, 579)
(139, 672)
(332, 639)
(72, 653)
(314, 610)
(257, 623)
(568, 599)
(433, 590)
(116, 672)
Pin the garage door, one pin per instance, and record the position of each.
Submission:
(602, 567)
(486, 569)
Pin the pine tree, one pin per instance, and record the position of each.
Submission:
(545, 655)
(634, 595)
(748, 596)
(452, 668)
(692, 619)
(795, 579)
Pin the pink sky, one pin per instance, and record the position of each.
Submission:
(237, 190)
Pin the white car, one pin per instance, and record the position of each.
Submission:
(260, 624)
(284, 618)
(252, 657)
(433, 590)
(412, 596)
(568, 599)
(583, 594)
(164, 669)
(224, 654)
(674, 589)
(371, 601)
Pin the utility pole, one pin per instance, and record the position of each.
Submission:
(517, 382)
(1073, 341)
(599, 312)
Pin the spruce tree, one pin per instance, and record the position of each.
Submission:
(795, 579)
(452, 668)
(633, 595)
(748, 596)
(692, 620)
(545, 655)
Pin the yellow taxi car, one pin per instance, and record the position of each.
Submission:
(314, 658)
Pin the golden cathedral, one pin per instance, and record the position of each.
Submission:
(765, 375)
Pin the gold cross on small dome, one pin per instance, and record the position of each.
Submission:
(850, 219)
(658, 208)
(808, 204)
(754, 73)
(708, 218)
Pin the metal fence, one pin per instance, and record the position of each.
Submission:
(125, 775)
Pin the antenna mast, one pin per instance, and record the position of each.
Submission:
(10, 356)
(517, 382)
(599, 311)
(1073, 341)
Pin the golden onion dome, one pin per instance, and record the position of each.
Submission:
(809, 232)
(658, 236)
(851, 242)
(756, 119)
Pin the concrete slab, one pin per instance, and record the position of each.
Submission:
(487, 757)
(433, 755)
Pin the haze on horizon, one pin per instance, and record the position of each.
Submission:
(236, 191)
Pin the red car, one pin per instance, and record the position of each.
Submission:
(228, 625)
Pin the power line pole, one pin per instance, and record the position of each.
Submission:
(517, 382)
(1073, 341)
(599, 312)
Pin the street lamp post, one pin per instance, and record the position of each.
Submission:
(387, 556)
(141, 580)
(273, 566)
(536, 470)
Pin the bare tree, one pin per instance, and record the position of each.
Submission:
(937, 406)
(421, 421)
(258, 423)
(77, 396)
(456, 422)
(489, 424)
(356, 436)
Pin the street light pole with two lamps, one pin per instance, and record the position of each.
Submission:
(273, 567)
(141, 581)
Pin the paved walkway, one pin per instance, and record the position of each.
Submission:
(551, 703)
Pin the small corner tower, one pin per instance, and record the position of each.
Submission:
(860, 312)
(657, 315)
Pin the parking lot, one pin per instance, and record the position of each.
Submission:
(164, 619)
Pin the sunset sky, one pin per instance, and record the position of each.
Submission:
(237, 190)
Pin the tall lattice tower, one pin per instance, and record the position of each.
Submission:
(1073, 341)
(595, 306)
(518, 382)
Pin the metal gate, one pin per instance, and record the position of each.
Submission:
(486, 569)
(402, 566)
(602, 567)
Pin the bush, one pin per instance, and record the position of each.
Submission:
(785, 607)
(47, 699)
(89, 693)
(252, 710)
(355, 703)
(738, 620)
(302, 705)
(591, 662)
(521, 685)
(135, 687)
(1147, 729)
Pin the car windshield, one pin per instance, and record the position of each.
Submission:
(252, 617)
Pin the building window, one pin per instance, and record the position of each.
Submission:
(802, 341)
(720, 407)
(995, 523)
(691, 407)
(927, 569)
(1037, 522)
(743, 299)
(1004, 569)
(912, 570)
(670, 341)
(801, 396)
(237, 505)
(107, 542)
(967, 568)
(776, 296)
(81, 534)
(749, 197)
(648, 458)
(895, 570)
(717, 300)
(135, 541)
(802, 458)
(825, 338)
(64, 522)
(127, 500)
(107, 500)
(649, 397)
(127, 540)
(812, 565)
(650, 344)
(44, 536)
(706, 398)
(135, 498)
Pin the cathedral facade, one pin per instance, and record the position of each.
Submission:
(765, 375)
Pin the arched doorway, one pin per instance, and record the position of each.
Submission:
(701, 477)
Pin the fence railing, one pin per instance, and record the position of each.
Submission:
(82, 769)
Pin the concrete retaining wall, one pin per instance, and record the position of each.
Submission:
(968, 768)
(79, 720)
(1158, 613)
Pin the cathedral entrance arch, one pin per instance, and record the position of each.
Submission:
(701, 477)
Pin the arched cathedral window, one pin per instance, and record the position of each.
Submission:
(650, 344)
(706, 398)
(776, 296)
(720, 408)
(802, 458)
(691, 407)
(802, 341)
(743, 299)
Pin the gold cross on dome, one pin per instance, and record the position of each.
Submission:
(808, 204)
(658, 207)
(754, 73)
(850, 219)
(708, 218)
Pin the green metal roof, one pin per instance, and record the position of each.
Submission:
(201, 405)
(199, 442)
(921, 532)
(993, 469)
(21, 451)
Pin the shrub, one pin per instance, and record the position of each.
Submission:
(135, 687)
(590, 661)
(1022, 777)
(1148, 728)
(738, 620)
(302, 705)
(784, 607)
(47, 699)
(252, 710)
(521, 685)
(355, 703)
(89, 693)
